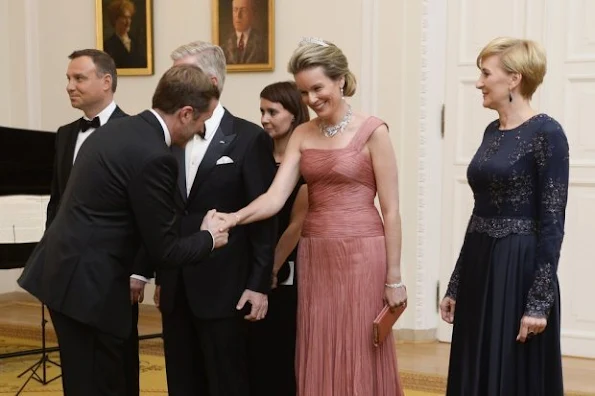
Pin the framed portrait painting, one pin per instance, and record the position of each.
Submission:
(125, 31)
(245, 31)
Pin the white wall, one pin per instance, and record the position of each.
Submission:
(39, 36)
(5, 102)
(382, 40)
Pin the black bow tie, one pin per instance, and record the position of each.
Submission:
(86, 124)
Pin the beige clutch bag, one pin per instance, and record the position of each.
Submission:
(383, 324)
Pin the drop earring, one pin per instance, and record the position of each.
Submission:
(510, 96)
(342, 95)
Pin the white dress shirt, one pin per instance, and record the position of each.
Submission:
(197, 147)
(166, 133)
(104, 116)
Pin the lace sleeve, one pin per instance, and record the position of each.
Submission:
(453, 284)
(551, 159)
(455, 277)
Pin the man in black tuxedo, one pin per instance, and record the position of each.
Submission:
(92, 82)
(120, 195)
(204, 308)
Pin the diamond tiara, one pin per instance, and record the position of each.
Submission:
(313, 40)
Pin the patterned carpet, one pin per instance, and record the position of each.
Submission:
(152, 371)
(152, 378)
(152, 368)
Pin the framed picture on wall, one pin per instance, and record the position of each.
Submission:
(245, 31)
(125, 31)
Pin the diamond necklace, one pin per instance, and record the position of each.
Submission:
(331, 130)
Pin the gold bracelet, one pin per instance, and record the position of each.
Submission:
(394, 285)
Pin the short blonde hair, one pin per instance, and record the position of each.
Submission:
(209, 57)
(524, 57)
(317, 52)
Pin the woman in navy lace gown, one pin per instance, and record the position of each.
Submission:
(503, 296)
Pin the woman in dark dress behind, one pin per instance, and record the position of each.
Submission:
(272, 340)
(506, 335)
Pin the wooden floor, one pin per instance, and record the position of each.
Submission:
(430, 358)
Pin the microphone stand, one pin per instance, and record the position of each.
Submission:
(43, 361)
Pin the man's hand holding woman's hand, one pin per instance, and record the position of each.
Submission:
(218, 224)
(227, 220)
(214, 225)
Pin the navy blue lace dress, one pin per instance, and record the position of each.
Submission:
(508, 263)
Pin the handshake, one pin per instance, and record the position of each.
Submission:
(218, 224)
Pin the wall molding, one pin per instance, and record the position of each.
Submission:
(422, 179)
(429, 185)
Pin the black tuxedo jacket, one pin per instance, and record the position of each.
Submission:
(65, 144)
(246, 262)
(120, 194)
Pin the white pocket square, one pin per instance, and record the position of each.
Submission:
(224, 160)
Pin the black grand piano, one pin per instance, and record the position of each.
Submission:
(26, 161)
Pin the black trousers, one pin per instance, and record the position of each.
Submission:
(271, 346)
(204, 357)
(92, 361)
(131, 357)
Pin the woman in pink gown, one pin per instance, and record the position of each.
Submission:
(349, 257)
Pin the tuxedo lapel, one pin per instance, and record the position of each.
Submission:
(179, 153)
(69, 151)
(218, 147)
(117, 113)
(73, 132)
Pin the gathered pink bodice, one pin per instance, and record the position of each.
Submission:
(341, 189)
